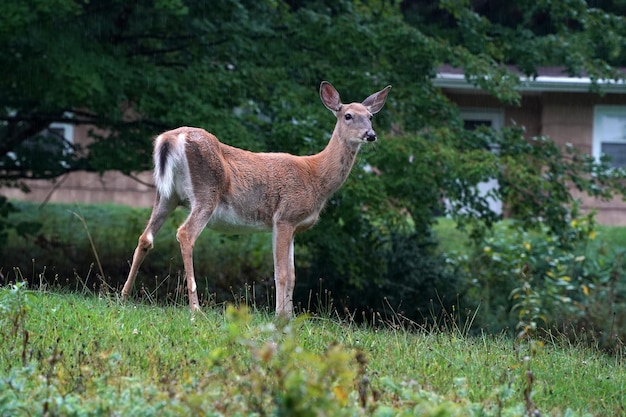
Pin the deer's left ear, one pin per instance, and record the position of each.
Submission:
(376, 101)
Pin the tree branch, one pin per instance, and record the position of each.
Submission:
(139, 180)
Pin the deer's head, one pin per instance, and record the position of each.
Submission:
(354, 120)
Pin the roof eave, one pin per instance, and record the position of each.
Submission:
(538, 84)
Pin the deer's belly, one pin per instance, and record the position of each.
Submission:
(227, 220)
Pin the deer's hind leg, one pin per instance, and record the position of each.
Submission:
(187, 234)
(163, 207)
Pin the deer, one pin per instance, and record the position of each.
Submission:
(231, 190)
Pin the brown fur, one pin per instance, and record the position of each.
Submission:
(234, 190)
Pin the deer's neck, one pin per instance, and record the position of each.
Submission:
(333, 164)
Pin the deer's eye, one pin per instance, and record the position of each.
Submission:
(348, 116)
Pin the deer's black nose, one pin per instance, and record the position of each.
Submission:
(370, 136)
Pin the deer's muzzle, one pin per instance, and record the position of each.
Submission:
(370, 136)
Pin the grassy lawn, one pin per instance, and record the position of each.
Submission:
(68, 354)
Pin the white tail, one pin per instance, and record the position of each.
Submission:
(233, 190)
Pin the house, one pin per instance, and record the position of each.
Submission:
(559, 106)
(552, 104)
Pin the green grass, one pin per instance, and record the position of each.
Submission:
(449, 237)
(69, 354)
(615, 236)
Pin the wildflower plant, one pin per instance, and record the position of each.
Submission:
(530, 279)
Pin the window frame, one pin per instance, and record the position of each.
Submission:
(496, 117)
(598, 139)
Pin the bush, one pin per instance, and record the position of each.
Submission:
(402, 277)
(526, 280)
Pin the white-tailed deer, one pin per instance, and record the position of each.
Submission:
(237, 191)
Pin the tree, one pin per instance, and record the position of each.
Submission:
(132, 70)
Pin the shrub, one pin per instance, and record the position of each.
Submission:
(523, 280)
(403, 277)
(21, 228)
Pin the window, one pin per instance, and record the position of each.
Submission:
(62, 134)
(61, 130)
(609, 134)
(56, 139)
(472, 119)
(475, 118)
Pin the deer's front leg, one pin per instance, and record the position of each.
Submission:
(284, 271)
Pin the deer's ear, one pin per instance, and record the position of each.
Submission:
(330, 97)
(376, 101)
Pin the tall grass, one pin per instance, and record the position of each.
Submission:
(70, 354)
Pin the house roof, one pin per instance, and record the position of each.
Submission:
(548, 79)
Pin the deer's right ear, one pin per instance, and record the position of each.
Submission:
(330, 97)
